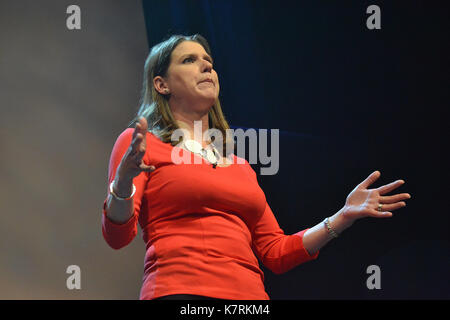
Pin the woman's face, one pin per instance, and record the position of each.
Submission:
(191, 77)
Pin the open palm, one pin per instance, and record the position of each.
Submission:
(363, 202)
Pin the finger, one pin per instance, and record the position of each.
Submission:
(389, 187)
(395, 198)
(136, 130)
(146, 168)
(143, 123)
(137, 141)
(135, 146)
(383, 214)
(140, 153)
(142, 128)
(369, 180)
(392, 206)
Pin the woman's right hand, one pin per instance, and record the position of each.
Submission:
(131, 164)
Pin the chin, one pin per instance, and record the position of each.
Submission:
(211, 98)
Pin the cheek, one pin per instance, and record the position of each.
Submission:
(182, 79)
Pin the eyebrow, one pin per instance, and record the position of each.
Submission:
(194, 55)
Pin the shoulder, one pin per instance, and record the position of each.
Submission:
(123, 139)
(127, 135)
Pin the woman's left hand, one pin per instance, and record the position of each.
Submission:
(363, 202)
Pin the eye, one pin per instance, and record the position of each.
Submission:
(188, 58)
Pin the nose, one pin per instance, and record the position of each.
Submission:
(207, 66)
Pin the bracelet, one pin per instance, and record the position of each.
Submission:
(116, 196)
(330, 231)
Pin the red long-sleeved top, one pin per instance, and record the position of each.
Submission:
(202, 226)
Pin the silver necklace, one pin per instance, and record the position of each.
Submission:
(211, 155)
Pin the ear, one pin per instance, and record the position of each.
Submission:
(161, 85)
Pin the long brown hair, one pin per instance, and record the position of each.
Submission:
(155, 106)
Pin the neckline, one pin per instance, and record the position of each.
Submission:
(210, 152)
(196, 155)
(204, 161)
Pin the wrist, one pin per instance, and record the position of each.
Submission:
(340, 221)
(122, 187)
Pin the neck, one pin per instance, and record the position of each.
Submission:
(188, 121)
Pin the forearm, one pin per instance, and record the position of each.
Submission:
(120, 211)
(316, 237)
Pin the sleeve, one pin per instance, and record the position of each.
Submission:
(277, 251)
(119, 235)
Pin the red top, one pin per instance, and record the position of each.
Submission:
(203, 227)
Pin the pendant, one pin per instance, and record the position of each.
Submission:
(193, 146)
(197, 148)
(211, 156)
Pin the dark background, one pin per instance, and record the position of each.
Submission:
(347, 100)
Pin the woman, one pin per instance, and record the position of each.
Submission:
(205, 226)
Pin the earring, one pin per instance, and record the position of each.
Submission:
(166, 90)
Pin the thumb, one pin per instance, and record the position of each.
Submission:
(146, 168)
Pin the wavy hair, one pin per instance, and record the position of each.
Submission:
(155, 106)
